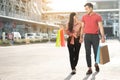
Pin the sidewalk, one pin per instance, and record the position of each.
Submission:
(47, 62)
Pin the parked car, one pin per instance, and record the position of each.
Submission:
(53, 36)
(65, 36)
(30, 35)
(16, 35)
(39, 36)
(45, 36)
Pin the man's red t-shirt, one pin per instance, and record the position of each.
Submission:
(91, 23)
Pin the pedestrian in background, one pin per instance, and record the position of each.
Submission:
(10, 37)
(73, 31)
(91, 24)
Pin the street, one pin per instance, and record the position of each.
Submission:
(44, 61)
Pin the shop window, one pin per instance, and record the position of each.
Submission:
(109, 22)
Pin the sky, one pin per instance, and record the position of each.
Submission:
(67, 5)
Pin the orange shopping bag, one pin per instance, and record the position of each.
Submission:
(62, 39)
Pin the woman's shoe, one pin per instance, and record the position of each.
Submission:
(73, 72)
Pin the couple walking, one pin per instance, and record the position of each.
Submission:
(89, 27)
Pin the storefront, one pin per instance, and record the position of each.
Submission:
(9, 25)
(110, 11)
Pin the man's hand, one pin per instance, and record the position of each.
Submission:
(103, 39)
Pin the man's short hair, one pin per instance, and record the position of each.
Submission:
(89, 5)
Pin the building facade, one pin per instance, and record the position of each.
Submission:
(22, 16)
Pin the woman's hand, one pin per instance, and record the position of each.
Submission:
(74, 35)
(81, 40)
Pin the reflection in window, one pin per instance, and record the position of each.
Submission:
(109, 22)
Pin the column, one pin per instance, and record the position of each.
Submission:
(119, 20)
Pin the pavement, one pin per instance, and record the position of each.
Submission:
(44, 61)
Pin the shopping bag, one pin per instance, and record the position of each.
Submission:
(102, 55)
(58, 39)
(98, 55)
(62, 39)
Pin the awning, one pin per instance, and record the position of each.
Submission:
(29, 21)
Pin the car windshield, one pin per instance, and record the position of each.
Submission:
(37, 34)
(29, 34)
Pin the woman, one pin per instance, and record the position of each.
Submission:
(73, 31)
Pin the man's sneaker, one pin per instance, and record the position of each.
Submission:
(97, 68)
(89, 72)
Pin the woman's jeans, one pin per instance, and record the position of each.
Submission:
(73, 51)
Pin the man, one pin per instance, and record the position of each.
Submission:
(91, 24)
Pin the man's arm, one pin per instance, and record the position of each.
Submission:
(81, 32)
(101, 32)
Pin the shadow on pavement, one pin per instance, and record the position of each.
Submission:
(68, 77)
(92, 78)
(86, 77)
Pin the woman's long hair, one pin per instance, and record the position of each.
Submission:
(71, 21)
